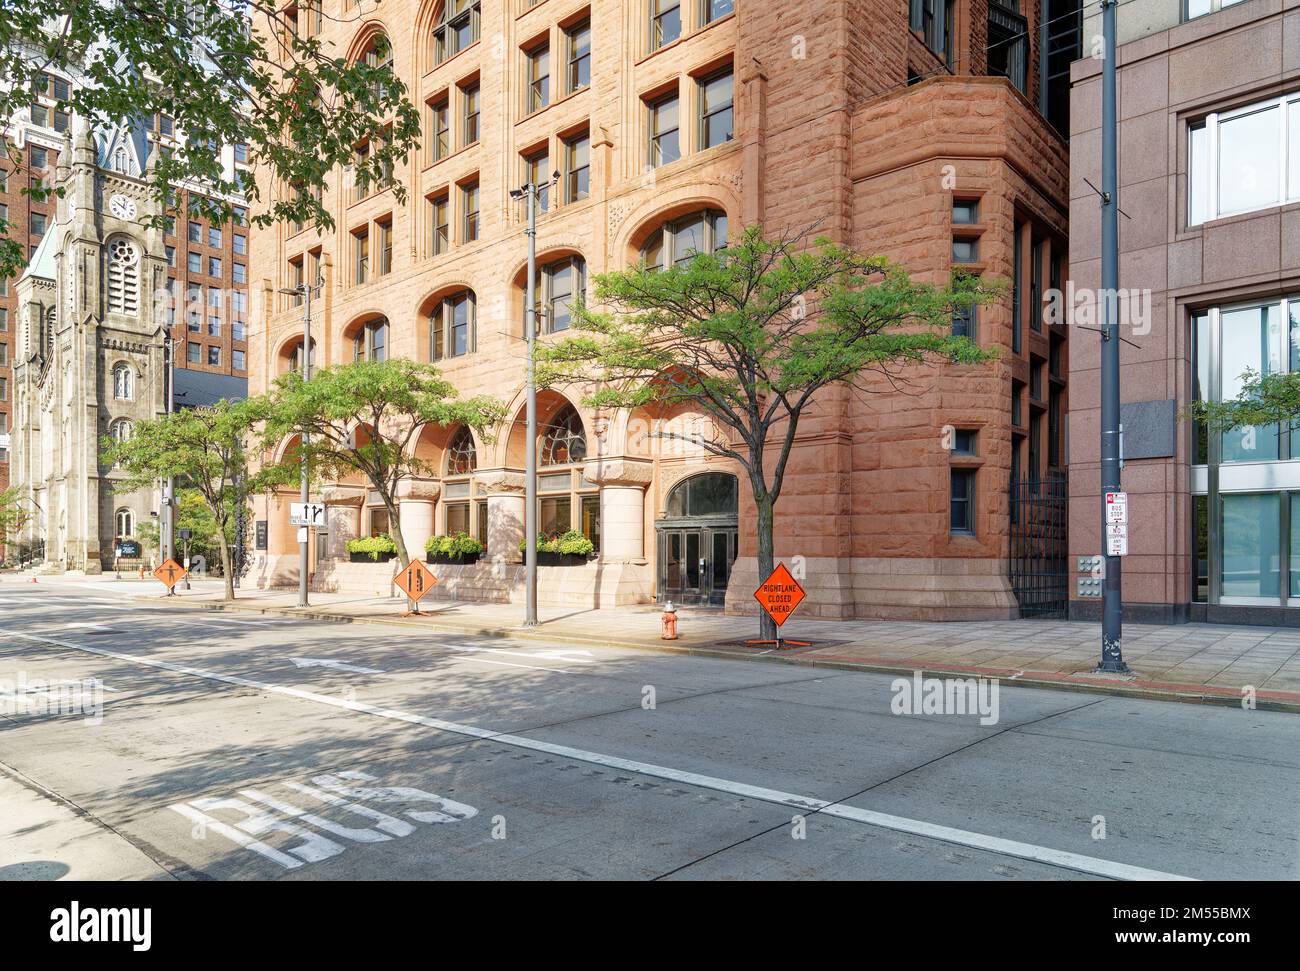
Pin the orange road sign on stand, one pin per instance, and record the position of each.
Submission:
(415, 581)
(779, 595)
(170, 574)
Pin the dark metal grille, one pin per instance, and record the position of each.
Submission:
(1038, 567)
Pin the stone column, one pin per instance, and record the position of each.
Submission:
(343, 517)
(416, 499)
(623, 483)
(505, 499)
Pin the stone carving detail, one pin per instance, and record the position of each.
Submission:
(618, 471)
(500, 483)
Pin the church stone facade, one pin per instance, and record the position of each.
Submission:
(92, 312)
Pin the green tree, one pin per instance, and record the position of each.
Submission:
(363, 417)
(1262, 400)
(13, 515)
(249, 73)
(206, 448)
(749, 335)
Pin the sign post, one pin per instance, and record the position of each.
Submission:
(170, 574)
(779, 595)
(416, 581)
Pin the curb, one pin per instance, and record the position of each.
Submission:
(1136, 688)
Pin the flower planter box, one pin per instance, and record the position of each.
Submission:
(459, 559)
(560, 559)
(367, 558)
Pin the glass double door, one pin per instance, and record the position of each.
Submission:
(695, 564)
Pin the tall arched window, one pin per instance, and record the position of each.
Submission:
(379, 54)
(461, 457)
(371, 341)
(120, 430)
(295, 357)
(559, 284)
(678, 242)
(123, 385)
(125, 523)
(565, 441)
(123, 277)
(458, 27)
(453, 326)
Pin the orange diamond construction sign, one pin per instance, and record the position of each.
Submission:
(415, 581)
(779, 594)
(170, 573)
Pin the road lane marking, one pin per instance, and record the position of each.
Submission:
(803, 804)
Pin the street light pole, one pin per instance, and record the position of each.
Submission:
(1112, 618)
(166, 540)
(530, 194)
(305, 290)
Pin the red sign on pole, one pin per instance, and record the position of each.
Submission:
(779, 594)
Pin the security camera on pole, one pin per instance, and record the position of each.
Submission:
(530, 193)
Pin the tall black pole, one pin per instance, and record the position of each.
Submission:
(1112, 615)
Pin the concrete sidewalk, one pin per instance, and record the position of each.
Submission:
(1193, 662)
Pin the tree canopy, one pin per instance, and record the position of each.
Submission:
(363, 418)
(227, 72)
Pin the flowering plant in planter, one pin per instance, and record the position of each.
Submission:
(565, 549)
(374, 548)
(457, 548)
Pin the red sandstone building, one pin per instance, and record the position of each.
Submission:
(1209, 177)
(919, 132)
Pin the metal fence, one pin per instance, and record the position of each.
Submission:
(1039, 555)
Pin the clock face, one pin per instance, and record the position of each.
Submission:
(123, 207)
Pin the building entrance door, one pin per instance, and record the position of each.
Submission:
(697, 540)
(695, 565)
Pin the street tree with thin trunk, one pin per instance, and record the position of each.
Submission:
(253, 74)
(749, 335)
(203, 448)
(13, 515)
(364, 417)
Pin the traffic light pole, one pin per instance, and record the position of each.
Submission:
(1112, 611)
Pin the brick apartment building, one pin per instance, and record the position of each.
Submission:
(917, 131)
(1209, 177)
(208, 265)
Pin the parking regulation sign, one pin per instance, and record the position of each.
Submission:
(1117, 507)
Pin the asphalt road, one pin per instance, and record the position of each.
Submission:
(241, 747)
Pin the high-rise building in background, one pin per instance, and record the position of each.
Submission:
(929, 132)
(1209, 178)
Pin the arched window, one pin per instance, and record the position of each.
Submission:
(123, 277)
(458, 27)
(120, 430)
(453, 329)
(379, 54)
(711, 494)
(123, 383)
(565, 442)
(371, 341)
(678, 242)
(125, 523)
(559, 284)
(295, 357)
(119, 161)
(461, 457)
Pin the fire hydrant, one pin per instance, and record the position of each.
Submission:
(668, 620)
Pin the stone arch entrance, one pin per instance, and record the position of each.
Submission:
(696, 540)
